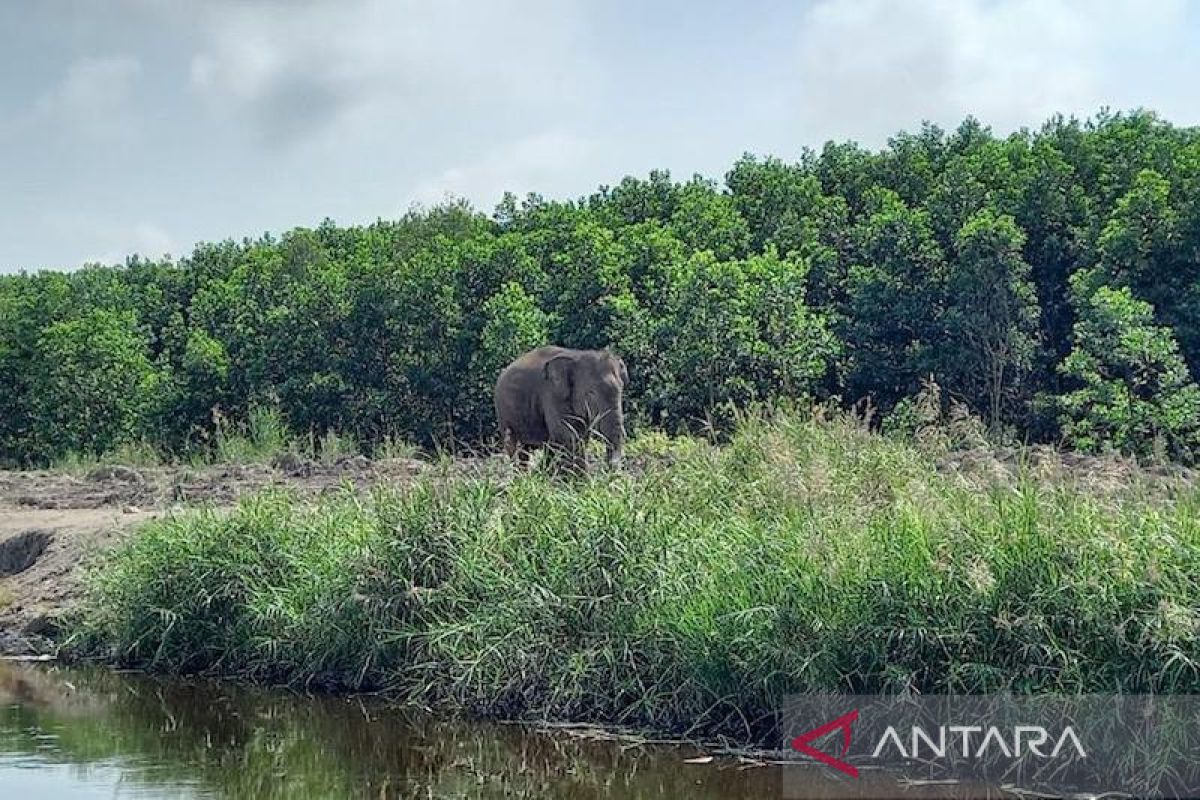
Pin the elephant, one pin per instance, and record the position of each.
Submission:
(559, 397)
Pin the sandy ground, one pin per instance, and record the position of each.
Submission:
(50, 522)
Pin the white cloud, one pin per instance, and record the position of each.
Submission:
(549, 162)
(871, 67)
(243, 68)
(149, 240)
(296, 69)
(112, 239)
(142, 238)
(94, 96)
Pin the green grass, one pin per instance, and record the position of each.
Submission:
(395, 447)
(690, 595)
(130, 454)
(260, 438)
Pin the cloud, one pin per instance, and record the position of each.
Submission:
(94, 96)
(297, 70)
(112, 240)
(549, 162)
(868, 68)
(149, 240)
(142, 238)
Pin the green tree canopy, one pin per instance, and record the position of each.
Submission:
(1132, 391)
(95, 387)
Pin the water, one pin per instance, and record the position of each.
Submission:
(94, 733)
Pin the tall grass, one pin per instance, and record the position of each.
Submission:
(259, 438)
(130, 454)
(262, 436)
(393, 446)
(691, 596)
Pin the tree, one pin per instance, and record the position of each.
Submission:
(991, 315)
(1145, 245)
(1053, 210)
(1136, 242)
(705, 219)
(195, 385)
(977, 173)
(634, 200)
(773, 197)
(895, 301)
(653, 258)
(512, 324)
(28, 303)
(912, 163)
(586, 269)
(95, 385)
(1132, 389)
(733, 332)
(785, 208)
(933, 256)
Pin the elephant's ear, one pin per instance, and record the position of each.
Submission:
(623, 371)
(560, 371)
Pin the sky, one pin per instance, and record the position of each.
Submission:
(150, 125)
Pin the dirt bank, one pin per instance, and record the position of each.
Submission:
(50, 522)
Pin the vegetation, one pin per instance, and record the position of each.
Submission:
(262, 437)
(988, 263)
(691, 595)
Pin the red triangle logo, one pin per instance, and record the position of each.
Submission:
(800, 743)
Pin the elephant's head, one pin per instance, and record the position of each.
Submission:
(589, 386)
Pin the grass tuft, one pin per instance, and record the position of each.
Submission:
(129, 454)
(395, 447)
(261, 437)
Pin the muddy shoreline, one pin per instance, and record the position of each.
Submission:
(51, 522)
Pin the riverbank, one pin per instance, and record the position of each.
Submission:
(690, 594)
(53, 521)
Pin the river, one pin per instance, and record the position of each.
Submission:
(96, 733)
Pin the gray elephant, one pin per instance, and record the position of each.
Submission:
(560, 397)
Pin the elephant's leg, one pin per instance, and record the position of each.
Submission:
(566, 444)
(564, 457)
(612, 455)
(524, 456)
(516, 450)
(573, 458)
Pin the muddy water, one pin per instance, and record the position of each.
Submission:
(70, 733)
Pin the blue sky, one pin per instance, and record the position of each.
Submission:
(148, 125)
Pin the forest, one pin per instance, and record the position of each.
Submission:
(1049, 281)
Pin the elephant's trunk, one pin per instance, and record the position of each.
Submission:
(612, 428)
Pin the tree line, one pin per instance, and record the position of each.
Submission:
(1049, 280)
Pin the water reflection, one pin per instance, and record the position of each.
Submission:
(81, 733)
(96, 733)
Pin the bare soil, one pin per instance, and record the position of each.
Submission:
(52, 521)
